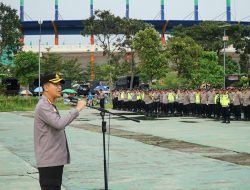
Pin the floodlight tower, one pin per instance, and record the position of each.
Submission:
(228, 10)
(55, 27)
(92, 42)
(21, 10)
(22, 19)
(56, 9)
(163, 40)
(127, 8)
(196, 10)
(162, 10)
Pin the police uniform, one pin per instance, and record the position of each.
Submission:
(148, 104)
(225, 103)
(102, 98)
(236, 102)
(50, 142)
(204, 103)
(211, 103)
(246, 104)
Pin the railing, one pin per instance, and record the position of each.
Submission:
(77, 48)
(63, 48)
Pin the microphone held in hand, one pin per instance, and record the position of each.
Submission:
(73, 100)
(78, 103)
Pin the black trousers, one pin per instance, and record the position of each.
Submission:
(226, 114)
(50, 178)
(102, 103)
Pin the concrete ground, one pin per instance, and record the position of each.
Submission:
(165, 153)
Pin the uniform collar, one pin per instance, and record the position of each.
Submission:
(46, 99)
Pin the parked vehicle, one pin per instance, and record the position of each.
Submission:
(124, 82)
(83, 89)
(12, 86)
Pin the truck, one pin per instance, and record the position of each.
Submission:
(123, 82)
(11, 85)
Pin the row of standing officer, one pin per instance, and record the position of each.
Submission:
(211, 103)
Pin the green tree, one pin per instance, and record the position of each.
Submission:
(114, 34)
(70, 68)
(117, 65)
(207, 70)
(240, 35)
(244, 63)
(129, 29)
(26, 67)
(148, 45)
(244, 81)
(107, 29)
(207, 34)
(6, 70)
(231, 66)
(120, 66)
(87, 72)
(172, 80)
(183, 54)
(51, 62)
(9, 30)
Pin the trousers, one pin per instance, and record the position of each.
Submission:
(50, 178)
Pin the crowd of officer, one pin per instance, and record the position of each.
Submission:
(213, 103)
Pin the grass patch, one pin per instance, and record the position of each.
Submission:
(24, 103)
(28, 103)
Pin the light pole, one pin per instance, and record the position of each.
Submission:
(225, 39)
(40, 22)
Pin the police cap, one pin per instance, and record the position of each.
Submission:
(52, 78)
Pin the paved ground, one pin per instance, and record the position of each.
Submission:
(165, 153)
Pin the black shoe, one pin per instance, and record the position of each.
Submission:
(228, 122)
(223, 122)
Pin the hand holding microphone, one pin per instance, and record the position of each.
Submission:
(80, 105)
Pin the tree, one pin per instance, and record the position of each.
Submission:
(9, 30)
(183, 54)
(51, 62)
(107, 28)
(230, 65)
(117, 65)
(148, 45)
(26, 67)
(114, 34)
(172, 80)
(244, 63)
(6, 70)
(120, 66)
(207, 34)
(130, 28)
(241, 40)
(207, 70)
(70, 68)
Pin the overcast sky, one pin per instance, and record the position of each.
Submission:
(140, 9)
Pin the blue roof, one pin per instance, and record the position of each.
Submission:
(74, 27)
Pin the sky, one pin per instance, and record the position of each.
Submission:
(139, 9)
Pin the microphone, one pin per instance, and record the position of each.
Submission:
(74, 100)
(71, 100)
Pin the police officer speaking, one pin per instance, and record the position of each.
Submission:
(50, 142)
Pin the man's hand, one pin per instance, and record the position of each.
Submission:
(80, 105)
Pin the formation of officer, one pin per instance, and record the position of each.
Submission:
(213, 103)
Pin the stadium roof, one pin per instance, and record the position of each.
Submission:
(74, 27)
